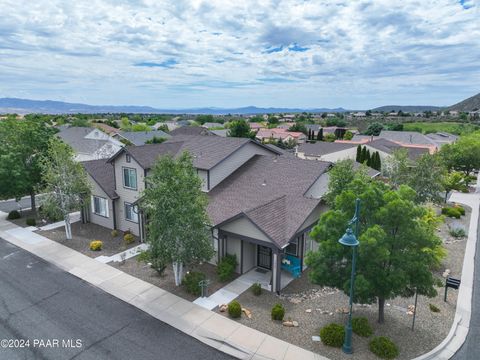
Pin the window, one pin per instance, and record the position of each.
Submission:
(127, 157)
(131, 212)
(130, 178)
(100, 206)
(291, 249)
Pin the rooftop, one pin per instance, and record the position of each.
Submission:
(102, 173)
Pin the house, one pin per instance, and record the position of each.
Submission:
(280, 134)
(261, 204)
(89, 143)
(435, 140)
(222, 132)
(171, 125)
(210, 125)
(255, 126)
(110, 130)
(140, 137)
(190, 130)
(314, 128)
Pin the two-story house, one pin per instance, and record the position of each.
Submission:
(261, 204)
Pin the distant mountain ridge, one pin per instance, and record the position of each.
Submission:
(470, 104)
(407, 108)
(24, 106)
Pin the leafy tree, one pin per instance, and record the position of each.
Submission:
(23, 143)
(256, 119)
(463, 155)
(329, 137)
(341, 175)
(299, 127)
(163, 128)
(454, 180)
(348, 135)
(427, 178)
(395, 127)
(156, 140)
(80, 122)
(139, 127)
(202, 119)
(272, 120)
(66, 185)
(125, 124)
(398, 248)
(397, 167)
(240, 128)
(176, 209)
(374, 129)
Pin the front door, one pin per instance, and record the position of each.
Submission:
(264, 257)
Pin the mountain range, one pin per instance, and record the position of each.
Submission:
(25, 106)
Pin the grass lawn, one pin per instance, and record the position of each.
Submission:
(449, 127)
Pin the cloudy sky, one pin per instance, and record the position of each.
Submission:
(230, 53)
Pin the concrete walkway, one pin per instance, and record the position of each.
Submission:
(74, 217)
(212, 329)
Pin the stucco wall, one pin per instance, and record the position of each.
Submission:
(249, 256)
(234, 248)
(243, 226)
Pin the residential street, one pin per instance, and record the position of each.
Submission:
(24, 203)
(64, 317)
(471, 348)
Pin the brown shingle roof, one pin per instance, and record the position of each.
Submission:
(269, 190)
(389, 147)
(102, 173)
(320, 148)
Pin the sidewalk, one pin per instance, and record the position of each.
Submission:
(212, 329)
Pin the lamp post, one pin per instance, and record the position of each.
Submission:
(350, 239)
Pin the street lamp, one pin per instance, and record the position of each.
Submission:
(350, 239)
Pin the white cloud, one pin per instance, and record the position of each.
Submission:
(235, 53)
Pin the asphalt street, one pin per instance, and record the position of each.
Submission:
(46, 313)
(23, 203)
(470, 349)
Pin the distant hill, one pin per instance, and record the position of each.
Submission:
(25, 106)
(470, 104)
(407, 108)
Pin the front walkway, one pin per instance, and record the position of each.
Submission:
(206, 326)
(240, 285)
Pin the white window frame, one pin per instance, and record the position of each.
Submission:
(104, 201)
(295, 242)
(129, 176)
(131, 212)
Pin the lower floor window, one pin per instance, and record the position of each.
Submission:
(130, 212)
(100, 206)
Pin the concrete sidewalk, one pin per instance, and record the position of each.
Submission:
(213, 329)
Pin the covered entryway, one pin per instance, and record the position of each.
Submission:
(264, 257)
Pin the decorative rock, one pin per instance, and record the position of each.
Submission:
(308, 310)
(247, 312)
(410, 310)
(295, 323)
(342, 310)
(288, 323)
(330, 314)
(446, 273)
(315, 338)
(387, 304)
(223, 307)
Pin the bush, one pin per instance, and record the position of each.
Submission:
(31, 222)
(234, 309)
(278, 312)
(433, 308)
(114, 233)
(226, 267)
(129, 238)
(457, 232)
(451, 212)
(14, 214)
(191, 280)
(333, 335)
(460, 209)
(383, 347)
(96, 245)
(361, 327)
(256, 289)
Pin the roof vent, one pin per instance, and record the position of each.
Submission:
(264, 182)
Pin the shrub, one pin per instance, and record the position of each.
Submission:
(451, 212)
(383, 347)
(114, 233)
(278, 312)
(157, 264)
(14, 214)
(234, 309)
(257, 289)
(191, 280)
(31, 222)
(433, 308)
(96, 245)
(333, 335)
(457, 232)
(459, 208)
(226, 267)
(129, 238)
(361, 327)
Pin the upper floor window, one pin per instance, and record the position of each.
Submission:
(100, 206)
(130, 178)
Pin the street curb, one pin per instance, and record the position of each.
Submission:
(461, 323)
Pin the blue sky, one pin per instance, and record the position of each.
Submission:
(183, 54)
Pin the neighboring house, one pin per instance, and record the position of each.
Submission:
(255, 126)
(110, 130)
(171, 125)
(435, 140)
(89, 143)
(262, 204)
(222, 133)
(277, 134)
(190, 130)
(140, 137)
(314, 128)
(209, 125)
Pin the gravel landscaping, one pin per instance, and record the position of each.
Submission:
(83, 234)
(314, 307)
(26, 214)
(166, 281)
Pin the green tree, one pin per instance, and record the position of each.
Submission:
(374, 129)
(240, 128)
(358, 158)
(426, 177)
(397, 167)
(398, 249)
(66, 185)
(340, 176)
(23, 143)
(156, 140)
(125, 124)
(299, 127)
(368, 161)
(463, 155)
(202, 119)
(364, 155)
(329, 137)
(319, 135)
(454, 180)
(348, 135)
(139, 127)
(176, 209)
